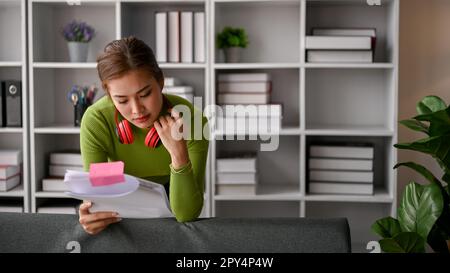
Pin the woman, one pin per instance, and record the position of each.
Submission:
(133, 83)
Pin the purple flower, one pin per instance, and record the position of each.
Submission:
(78, 32)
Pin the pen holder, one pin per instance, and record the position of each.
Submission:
(79, 110)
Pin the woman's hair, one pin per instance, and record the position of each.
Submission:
(121, 56)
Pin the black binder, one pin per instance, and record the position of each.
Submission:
(2, 106)
(12, 111)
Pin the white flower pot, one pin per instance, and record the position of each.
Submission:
(78, 51)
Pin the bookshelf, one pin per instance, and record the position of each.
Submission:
(321, 101)
(13, 67)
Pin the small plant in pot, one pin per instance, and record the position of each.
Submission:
(424, 211)
(232, 40)
(78, 35)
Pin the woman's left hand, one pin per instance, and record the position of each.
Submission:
(169, 129)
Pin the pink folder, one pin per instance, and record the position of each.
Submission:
(108, 173)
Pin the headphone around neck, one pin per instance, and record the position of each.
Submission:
(124, 131)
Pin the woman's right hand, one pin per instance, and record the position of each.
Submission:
(95, 222)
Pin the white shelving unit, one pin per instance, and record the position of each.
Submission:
(348, 102)
(13, 67)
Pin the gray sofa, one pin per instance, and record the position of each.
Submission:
(29, 232)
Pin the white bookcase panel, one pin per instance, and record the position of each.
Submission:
(254, 209)
(273, 29)
(11, 31)
(357, 14)
(136, 15)
(360, 216)
(51, 104)
(49, 19)
(349, 99)
(285, 91)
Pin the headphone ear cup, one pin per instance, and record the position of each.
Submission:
(124, 132)
(152, 138)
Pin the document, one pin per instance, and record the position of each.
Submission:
(131, 198)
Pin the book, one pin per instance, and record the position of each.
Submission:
(5, 208)
(131, 198)
(341, 164)
(342, 151)
(10, 183)
(235, 189)
(10, 157)
(187, 37)
(8, 171)
(341, 176)
(174, 37)
(258, 110)
(244, 77)
(244, 87)
(243, 98)
(199, 37)
(339, 42)
(54, 184)
(71, 159)
(161, 36)
(60, 170)
(237, 165)
(236, 178)
(342, 56)
(340, 188)
(57, 209)
(344, 32)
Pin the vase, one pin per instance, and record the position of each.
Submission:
(232, 54)
(78, 51)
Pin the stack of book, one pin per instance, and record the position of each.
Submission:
(244, 88)
(236, 175)
(59, 163)
(341, 169)
(175, 87)
(9, 205)
(10, 169)
(180, 36)
(341, 45)
(58, 207)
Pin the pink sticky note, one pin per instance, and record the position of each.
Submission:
(102, 174)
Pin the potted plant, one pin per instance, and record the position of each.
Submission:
(232, 40)
(78, 35)
(424, 211)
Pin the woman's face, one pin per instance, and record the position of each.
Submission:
(137, 96)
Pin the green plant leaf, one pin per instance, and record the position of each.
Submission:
(420, 207)
(422, 170)
(430, 104)
(439, 122)
(387, 227)
(415, 125)
(437, 240)
(404, 242)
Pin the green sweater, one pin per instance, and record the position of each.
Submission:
(99, 143)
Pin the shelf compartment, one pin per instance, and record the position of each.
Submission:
(285, 91)
(15, 192)
(50, 89)
(50, 17)
(11, 73)
(10, 141)
(138, 14)
(283, 43)
(350, 98)
(360, 216)
(194, 78)
(383, 179)
(11, 204)
(256, 209)
(278, 170)
(357, 14)
(11, 30)
(58, 203)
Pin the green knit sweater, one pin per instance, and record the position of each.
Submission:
(99, 143)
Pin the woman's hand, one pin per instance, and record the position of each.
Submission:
(168, 128)
(93, 223)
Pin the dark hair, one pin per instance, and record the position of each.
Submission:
(121, 56)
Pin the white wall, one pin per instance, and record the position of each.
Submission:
(424, 70)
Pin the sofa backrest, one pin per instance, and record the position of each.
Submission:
(29, 232)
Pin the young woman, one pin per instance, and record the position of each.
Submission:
(133, 124)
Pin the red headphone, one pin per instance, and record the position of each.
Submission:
(125, 133)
